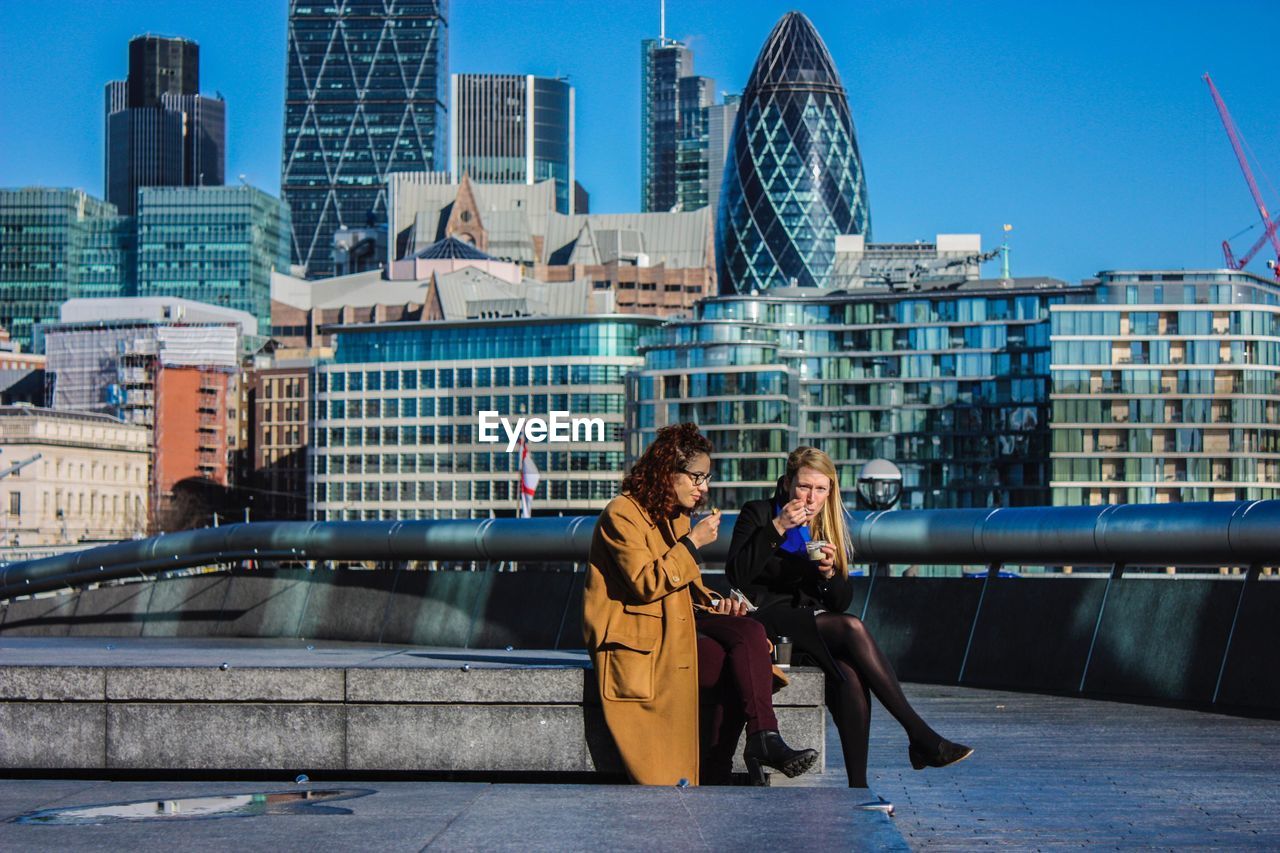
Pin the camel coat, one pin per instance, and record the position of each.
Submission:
(637, 618)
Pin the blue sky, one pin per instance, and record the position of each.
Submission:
(1084, 124)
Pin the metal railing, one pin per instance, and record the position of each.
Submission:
(1245, 534)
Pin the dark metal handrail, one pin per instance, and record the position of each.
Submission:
(1243, 533)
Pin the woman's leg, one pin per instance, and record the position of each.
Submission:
(746, 647)
(849, 640)
(850, 705)
(720, 720)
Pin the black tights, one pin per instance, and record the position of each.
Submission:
(866, 671)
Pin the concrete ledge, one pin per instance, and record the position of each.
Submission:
(235, 684)
(53, 684)
(53, 735)
(283, 706)
(222, 736)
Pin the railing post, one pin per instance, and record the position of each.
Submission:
(1250, 578)
(1117, 570)
(993, 571)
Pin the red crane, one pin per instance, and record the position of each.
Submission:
(1268, 226)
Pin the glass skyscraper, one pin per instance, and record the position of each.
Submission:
(160, 130)
(513, 128)
(217, 245)
(396, 426)
(366, 95)
(951, 385)
(793, 178)
(673, 128)
(1166, 387)
(55, 245)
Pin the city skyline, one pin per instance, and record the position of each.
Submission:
(1086, 127)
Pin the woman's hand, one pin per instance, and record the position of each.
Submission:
(706, 531)
(793, 514)
(827, 565)
(729, 607)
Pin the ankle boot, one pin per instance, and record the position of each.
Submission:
(768, 749)
(943, 754)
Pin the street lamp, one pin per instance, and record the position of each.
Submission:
(879, 484)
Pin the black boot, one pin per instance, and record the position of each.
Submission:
(768, 749)
(943, 754)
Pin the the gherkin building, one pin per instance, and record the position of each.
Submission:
(793, 178)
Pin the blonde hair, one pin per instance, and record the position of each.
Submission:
(830, 524)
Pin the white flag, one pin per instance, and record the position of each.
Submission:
(529, 477)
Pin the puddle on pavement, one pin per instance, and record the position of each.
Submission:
(197, 808)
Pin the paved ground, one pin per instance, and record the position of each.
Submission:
(1052, 771)
(440, 816)
(1048, 772)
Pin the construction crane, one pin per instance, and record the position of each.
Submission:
(1268, 225)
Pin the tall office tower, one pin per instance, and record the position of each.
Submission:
(1165, 389)
(793, 180)
(513, 128)
(366, 96)
(161, 132)
(672, 126)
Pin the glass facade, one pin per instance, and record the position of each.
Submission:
(496, 117)
(55, 245)
(366, 95)
(1167, 388)
(951, 386)
(675, 106)
(396, 416)
(793, 178)
(217, 245)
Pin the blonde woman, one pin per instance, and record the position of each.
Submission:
(801, 590)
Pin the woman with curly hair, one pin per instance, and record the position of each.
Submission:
(790, 556)
(644, 607)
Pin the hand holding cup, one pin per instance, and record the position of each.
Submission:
(823, 555)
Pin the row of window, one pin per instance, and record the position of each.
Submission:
(410, 436)
(428, 407)
(1157, 411)
(1182, 381)
(336, 380)
(863, 313)
(446, 490)
(444, 463)
(1171, 323)
(1155, 469)
(1181, 440)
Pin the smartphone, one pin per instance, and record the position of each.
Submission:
(737, 595)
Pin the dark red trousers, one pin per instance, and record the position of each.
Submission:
(735, 677)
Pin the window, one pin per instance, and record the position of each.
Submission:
(15, 503)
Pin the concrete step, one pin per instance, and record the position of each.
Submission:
(138, 704)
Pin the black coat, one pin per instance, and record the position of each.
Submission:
(785, 587)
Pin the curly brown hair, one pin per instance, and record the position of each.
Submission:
(649, 480)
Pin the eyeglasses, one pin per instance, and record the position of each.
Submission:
(697, 477)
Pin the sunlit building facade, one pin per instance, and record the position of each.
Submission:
(951, 385)
(1166, 387)
(396, 427)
